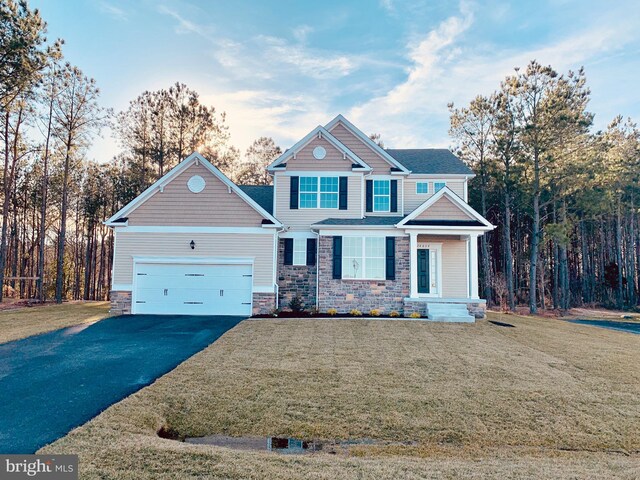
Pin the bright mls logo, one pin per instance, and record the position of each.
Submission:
(54, 467)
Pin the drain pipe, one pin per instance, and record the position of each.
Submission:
(317, 234)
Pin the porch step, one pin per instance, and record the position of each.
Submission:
(449, 312)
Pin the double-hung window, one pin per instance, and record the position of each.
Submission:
(381, 195)
(437, 186)
(319, 192)
(308, 192)
(328, 192)
(299, 251)
(363, 258)
(422, 188)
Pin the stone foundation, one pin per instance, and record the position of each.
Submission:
(263, 303)
(477, 309)
(120, 302)
(364, 295)
(295, 280)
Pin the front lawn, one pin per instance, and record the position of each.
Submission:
(27, 321)
(546, 399)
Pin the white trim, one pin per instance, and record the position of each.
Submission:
(413, 265)
(275, 192)
(300, 242)
(420, 182)
(473, 263)
(363, 257)
(169, 229)
(195, 260)
(465, 191)
(264, 289)
(457, 201)
(186, 163)
(427, 230)
(122, 287)
(318, 132)
(318, 192)
(446, 300)
(298, 234)
(319, 173)
(437, 248)
(360, 232)
(366, 140)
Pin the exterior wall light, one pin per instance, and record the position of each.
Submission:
(192, 244)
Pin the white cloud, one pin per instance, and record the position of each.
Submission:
(443, 69)
(113, 11)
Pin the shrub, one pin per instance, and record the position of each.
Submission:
(355, 313)
(374, 312)
(296, 305)
(414, 315)
(394, 314)
(332, 311)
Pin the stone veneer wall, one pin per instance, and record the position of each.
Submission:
(263, 303)
(295, 280)
(120, 302)
(365, 295)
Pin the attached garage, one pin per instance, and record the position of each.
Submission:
(214, 287)
(194, 243)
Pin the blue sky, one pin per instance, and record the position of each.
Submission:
(279, 68)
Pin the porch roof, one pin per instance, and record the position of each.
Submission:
(362, 222)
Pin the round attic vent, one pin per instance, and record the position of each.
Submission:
(319, 153)
(196, 184)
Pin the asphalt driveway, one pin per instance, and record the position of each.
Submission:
(53, 382)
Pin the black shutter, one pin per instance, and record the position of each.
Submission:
(288, 251)
(394, 195)
(391, 258)
(293, 193)
(311, 251)
(344, 182)
(337, 257)
(369, 202)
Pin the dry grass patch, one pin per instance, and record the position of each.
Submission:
(546, 399)
(28, 321)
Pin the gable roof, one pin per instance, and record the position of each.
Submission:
(366, 140)
(320, 132)
(195, 157)
(456, 200)
(430, 161)
(261, 194)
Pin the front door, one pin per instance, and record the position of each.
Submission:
(423, 270)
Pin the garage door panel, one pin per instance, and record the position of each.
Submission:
(193, 289)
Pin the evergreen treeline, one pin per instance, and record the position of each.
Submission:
(564, 198)
(53, 244)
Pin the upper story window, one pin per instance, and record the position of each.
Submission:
(437, 186)
(299, 251)
(319, 192)
(381, 195)
(363, 258)
(422, 188)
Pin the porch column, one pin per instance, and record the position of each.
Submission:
(473, 265)
(413, 256)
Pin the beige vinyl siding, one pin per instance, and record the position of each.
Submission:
(443, 209)
(178, 206)
(379, 165)
(130, 244)
(333, 161)
(303, 217)
(412, 200)
(454, 264)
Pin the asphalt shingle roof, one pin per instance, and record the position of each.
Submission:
(261, 194)
(365, 222)
(430, 161)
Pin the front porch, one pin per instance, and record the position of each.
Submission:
(443, 280)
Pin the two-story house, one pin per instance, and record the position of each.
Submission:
(346, 225)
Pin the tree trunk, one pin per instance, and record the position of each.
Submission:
(620, 293)
(508, 253)
(63, 222)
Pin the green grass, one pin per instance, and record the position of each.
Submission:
(546, 399)
(28, 321)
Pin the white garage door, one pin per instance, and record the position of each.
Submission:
(193, 289)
